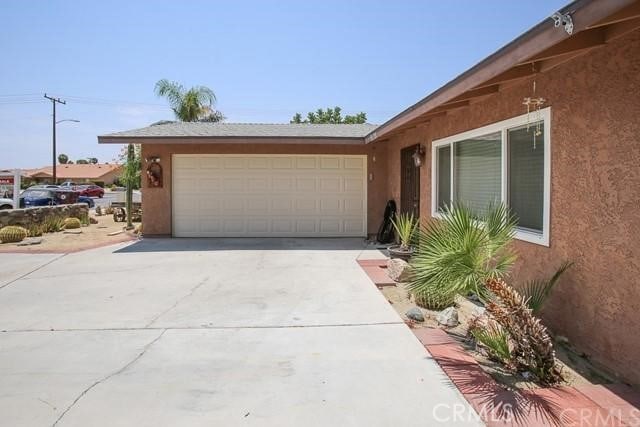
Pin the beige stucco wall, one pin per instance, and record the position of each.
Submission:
(156, 202)
(595, 195)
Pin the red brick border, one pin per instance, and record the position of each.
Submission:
(595, 405)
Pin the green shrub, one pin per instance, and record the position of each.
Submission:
(457, 254)
(35, 230)
(71, 223)
(53, 224)
(12, 234)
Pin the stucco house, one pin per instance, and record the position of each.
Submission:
(569, 169)
(101, 173)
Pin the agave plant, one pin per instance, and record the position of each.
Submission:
(457, 254)
(536, 292)
(405, 226)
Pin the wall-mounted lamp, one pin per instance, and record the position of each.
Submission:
(153, 159)
(418, 156)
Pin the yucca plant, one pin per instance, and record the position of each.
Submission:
(496, 340)
(536, 292)
(405, 226)
(455, 255)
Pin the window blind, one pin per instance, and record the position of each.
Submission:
(526, 176)
(444, 176)
(477, 172)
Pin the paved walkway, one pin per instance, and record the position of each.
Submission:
(263, 332)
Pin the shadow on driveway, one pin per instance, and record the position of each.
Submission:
(245, 243)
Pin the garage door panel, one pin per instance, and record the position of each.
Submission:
(210, 162)
(330, 162)
(353, 185)
(282, 162)
(306, 184)
(269, 195)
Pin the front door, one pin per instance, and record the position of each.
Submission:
(409, 182)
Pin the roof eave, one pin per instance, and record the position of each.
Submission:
(107, 139)
(539, 38)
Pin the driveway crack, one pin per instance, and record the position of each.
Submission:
(33, 271)
(106, 378)
(191, 292)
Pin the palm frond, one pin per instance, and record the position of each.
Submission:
(173, 91)
(496, 340)
(537, 291)
(457, 254)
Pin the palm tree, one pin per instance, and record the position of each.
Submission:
(193, 105)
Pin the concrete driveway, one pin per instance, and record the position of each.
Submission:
(208, 332)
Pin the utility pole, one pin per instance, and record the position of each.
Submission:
(54, 101)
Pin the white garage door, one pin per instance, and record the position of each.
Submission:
(269, 195)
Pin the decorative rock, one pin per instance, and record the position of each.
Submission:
(448, 317)
(30, 241)
(398, 270)
(415, 314)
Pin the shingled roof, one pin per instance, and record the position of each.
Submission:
(241, 130)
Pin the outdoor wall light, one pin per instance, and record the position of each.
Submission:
(418, 156)
(153, 159)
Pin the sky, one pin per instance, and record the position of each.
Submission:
(265, 60)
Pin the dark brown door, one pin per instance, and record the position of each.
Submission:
(409, 182)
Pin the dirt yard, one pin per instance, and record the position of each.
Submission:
(91, 236)
(576, 368)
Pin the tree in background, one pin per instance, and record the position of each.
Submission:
(82, 162)
(131, 167)
(131, 178)
(63, 159)
(193, 105)
(92, 160)
(330, 115)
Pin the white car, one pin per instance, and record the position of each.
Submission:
(6, 203)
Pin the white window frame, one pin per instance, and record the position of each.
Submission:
(502, 127)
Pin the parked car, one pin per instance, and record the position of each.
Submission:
(32, 197)
(86, 199)
(6, 203)
(91, 191)
(68, 184)
(44, 186)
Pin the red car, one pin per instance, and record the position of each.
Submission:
(91, 191)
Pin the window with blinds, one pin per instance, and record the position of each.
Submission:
(526, 176)
(477, 172)
(503, 162)
(444, 176)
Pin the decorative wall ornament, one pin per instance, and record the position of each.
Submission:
(563, 19)
(154, 172)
